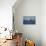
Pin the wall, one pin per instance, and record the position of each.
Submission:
(6, 13)
(6, 17)
(43, 22)
(29, 8)
(27, 29)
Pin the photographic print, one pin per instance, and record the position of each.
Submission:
(29, 19)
